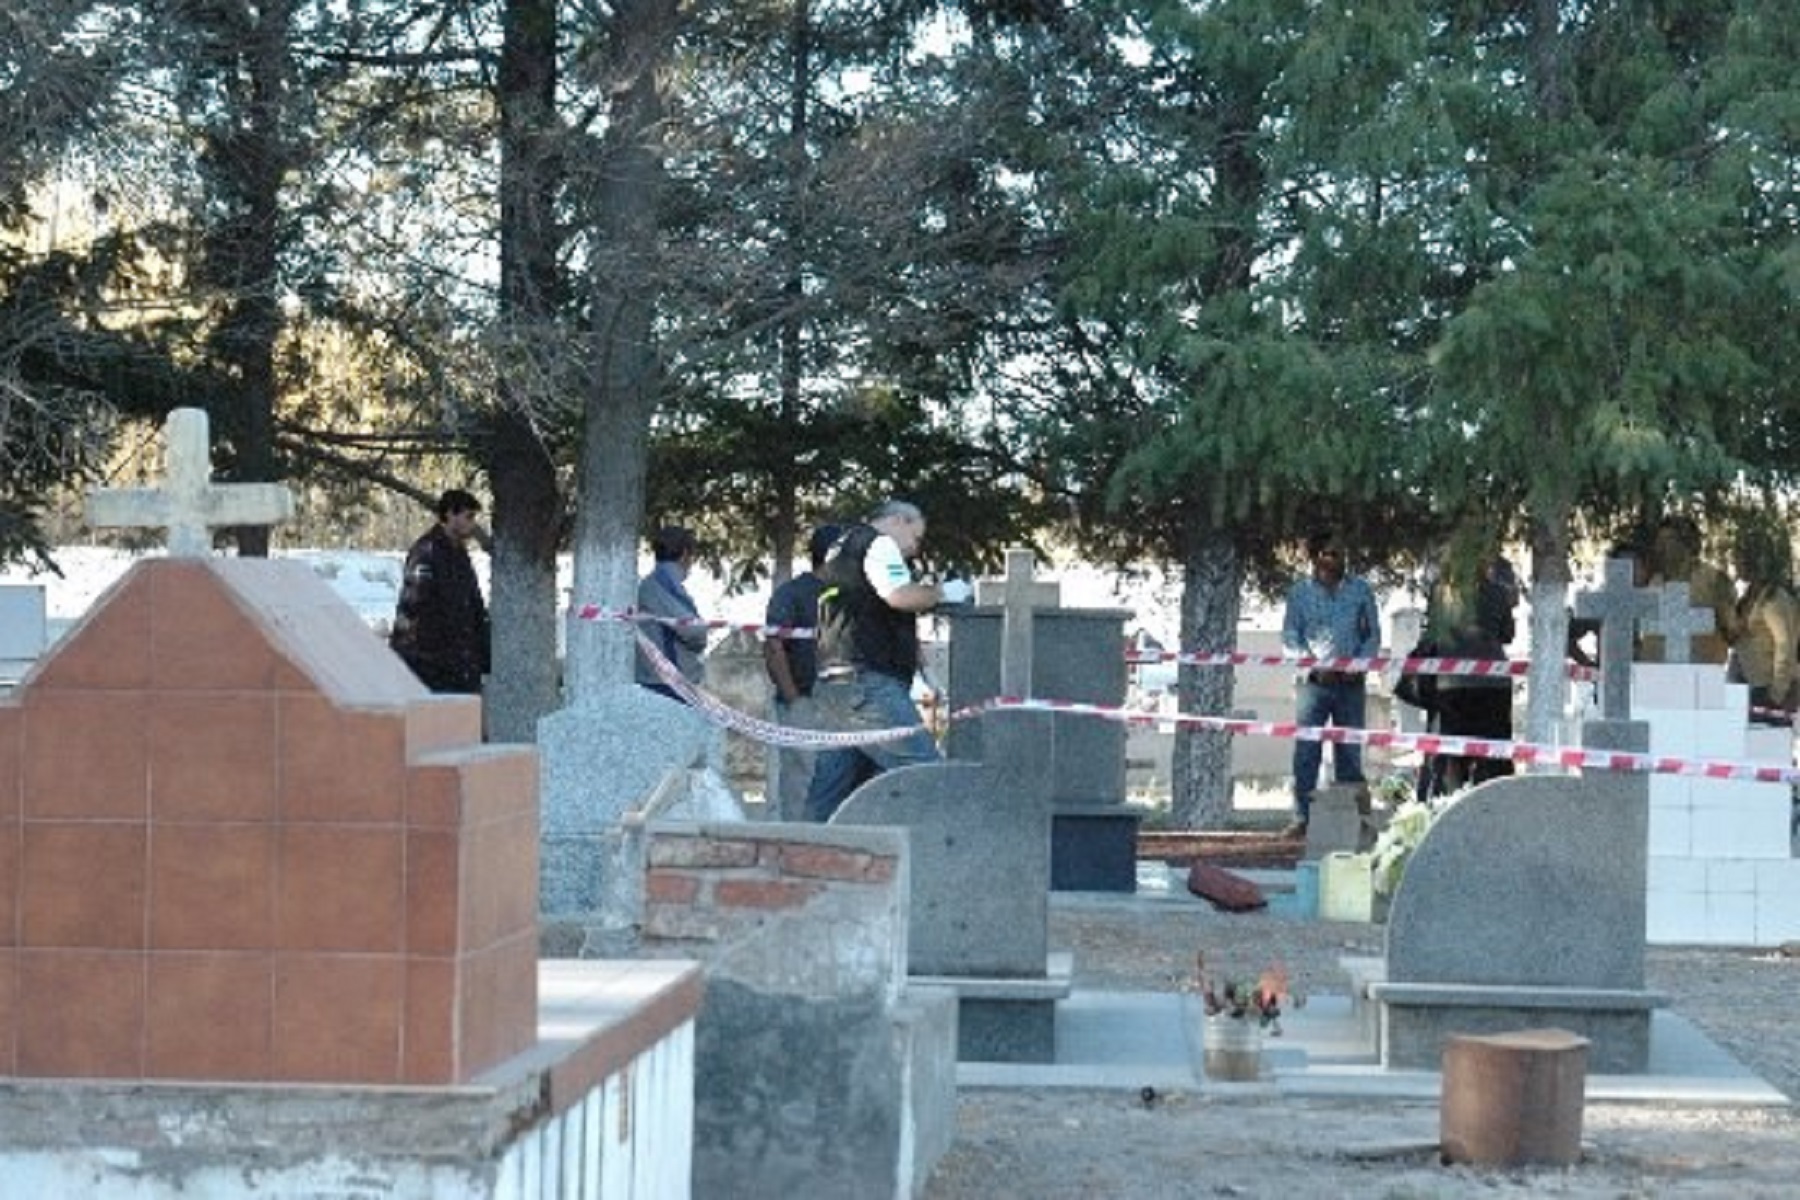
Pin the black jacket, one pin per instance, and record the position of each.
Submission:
(441, 622)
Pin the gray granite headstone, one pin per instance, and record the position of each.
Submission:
(601, 758)
(1016, 642)
(980, 850)
(980, 862)
(1335, 824)
(1079, 655)
(1524, 906)
(1619, 606)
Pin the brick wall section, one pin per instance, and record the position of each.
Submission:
(706, 887)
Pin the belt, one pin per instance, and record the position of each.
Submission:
(1334, 677)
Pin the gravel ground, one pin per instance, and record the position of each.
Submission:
(1062, 1143)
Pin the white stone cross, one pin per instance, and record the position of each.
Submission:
(1675, 621)
(189, 504)
(1619, 605)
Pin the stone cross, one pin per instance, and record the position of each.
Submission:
(1020, 596)
(189, 504)
(1619, 605)
(1675, 621)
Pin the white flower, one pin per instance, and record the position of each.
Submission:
(1411, 821)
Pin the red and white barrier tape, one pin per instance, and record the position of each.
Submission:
(1570, 757)
(1492, 667)
(594, 612)
(1432, 743)
(767, 732)
(1488, 667)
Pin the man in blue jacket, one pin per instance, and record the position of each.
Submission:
(1330, 614)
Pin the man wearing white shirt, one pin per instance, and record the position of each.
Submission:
(869, 650)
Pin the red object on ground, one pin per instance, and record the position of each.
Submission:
(1224, 890)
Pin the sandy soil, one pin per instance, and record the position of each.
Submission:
(1050, 1143)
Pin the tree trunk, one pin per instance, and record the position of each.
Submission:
(1547, 680)
(254, 322)
(527, 527)
(529, 511)
(786, 526)
(617, 433)
(1211, 599)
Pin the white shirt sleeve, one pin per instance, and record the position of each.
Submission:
(885, 567)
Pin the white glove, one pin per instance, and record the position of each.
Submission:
(955, 591)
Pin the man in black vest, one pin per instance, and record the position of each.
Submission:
(869, 650)
(441, 622)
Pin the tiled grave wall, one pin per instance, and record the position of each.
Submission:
(208, 869)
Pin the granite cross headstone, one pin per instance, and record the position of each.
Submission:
(1619, 605)
(1015, 628)
(189, 504)
(1677, 621)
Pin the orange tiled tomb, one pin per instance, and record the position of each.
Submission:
(238, 840)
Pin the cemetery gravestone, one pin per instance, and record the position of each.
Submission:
(1524, 905)
(243, 849)
(1077, 655)
(1619, 605)
(980, 865)
(189, 504)
(803, 931)
(1676, 621)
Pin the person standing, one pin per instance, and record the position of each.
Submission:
(1330, 614)
(663, 593)
(869, 650)
(793, 667)
(1471, 616)
(441, 622)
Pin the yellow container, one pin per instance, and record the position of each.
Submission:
(1347, 887)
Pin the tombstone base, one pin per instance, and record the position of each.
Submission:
(1093, 848)
(1007, 1020)
(1417, 1019)
(612, 1037)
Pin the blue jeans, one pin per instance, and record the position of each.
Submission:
(868, 700)
(1318, 704)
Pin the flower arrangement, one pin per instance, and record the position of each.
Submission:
(1391, 791)
(1244, 998)
(1406, 829)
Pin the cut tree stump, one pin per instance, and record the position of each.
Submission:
(1513, 1099)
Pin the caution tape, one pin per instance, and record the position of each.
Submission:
(1568, 757)
(755, 728)
(633, 616)
(1572, 757)
(1405, 665)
